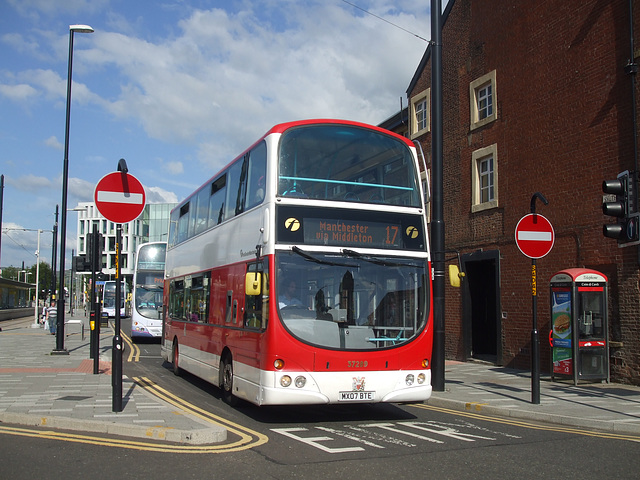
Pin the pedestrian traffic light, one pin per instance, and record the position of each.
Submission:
(623, 208)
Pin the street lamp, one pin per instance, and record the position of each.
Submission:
(65, 180)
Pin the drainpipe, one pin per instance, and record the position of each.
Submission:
(631, 69)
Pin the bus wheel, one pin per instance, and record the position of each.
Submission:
(226, 382)
(175, 356)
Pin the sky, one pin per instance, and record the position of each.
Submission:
(178, 88)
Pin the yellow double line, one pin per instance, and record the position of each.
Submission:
(247, 438)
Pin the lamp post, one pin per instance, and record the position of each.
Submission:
(36, 322)
(65, 180)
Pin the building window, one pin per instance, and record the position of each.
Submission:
(484, 176)
(419, 116)
(483, 100)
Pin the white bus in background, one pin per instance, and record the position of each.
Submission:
(109, 299)
(148, 282)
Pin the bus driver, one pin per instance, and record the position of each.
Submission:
(287, 297)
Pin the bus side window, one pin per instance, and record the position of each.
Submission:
(228, 312)
(201, 214)
(217, 200)
(199, 299)
(257, 175)
(236, 188)
(176, 299)
(183, 223)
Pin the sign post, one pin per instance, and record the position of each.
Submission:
(120, 198)
(535, 238)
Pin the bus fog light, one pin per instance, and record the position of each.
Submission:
(421, 378)
(301, 381)
(285, 380)
(409, 379)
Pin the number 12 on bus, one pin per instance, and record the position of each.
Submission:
(299, 274)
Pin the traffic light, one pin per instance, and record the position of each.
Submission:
(94, 251)
(80, 264)
(624, 209)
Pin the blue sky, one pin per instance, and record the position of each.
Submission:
(178, 89)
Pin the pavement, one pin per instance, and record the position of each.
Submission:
(41, 388)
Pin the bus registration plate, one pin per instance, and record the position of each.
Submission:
(356, 396)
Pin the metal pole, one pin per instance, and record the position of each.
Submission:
(36, 323)
(437, 210)
(54, 256)
(116, 374)
(71, 293)
(535, 341)
(65, 180)
(63, 230)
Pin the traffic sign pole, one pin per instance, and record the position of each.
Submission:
(117, 339)
(120, 198)
(541, 251)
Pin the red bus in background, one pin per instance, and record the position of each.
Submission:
(300, 274)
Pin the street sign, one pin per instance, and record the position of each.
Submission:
(534, 235)
(119, 197)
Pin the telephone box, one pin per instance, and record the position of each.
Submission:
(579, 328)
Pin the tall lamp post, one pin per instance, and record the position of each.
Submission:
(65, 180)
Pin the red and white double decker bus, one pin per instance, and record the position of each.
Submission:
(300, 274)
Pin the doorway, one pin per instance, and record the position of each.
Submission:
(481, 306)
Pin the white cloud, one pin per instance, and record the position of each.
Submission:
(227, 77)
(33, 8)
(80, 190)
(159, 195)
(30, 183)
(18, 92)
(174, 168)
(53, 142)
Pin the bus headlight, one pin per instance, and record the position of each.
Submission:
(409, 379)
(301, 381)
(421, 378)
(285, 380)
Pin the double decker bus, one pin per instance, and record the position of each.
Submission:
(109, 298)
(300, 274)
(148, 284)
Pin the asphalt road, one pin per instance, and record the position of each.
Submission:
(320, 442)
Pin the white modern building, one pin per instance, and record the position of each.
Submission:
(152, 225)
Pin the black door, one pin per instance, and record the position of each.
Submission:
(481, 306)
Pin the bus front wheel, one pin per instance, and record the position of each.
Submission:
(226, 381)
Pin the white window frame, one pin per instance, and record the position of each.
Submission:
(477, 158)
(475, 89)
(424, 99)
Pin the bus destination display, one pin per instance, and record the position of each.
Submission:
(319, 231)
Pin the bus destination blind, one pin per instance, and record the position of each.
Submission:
(354, 233)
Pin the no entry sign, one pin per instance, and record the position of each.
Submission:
(534, 235)
(119, 197)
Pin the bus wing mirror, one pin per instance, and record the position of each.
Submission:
(252, 282)
(455, 276)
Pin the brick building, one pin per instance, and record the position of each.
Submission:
(536, 99)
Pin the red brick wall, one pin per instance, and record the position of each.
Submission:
(564, 125)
